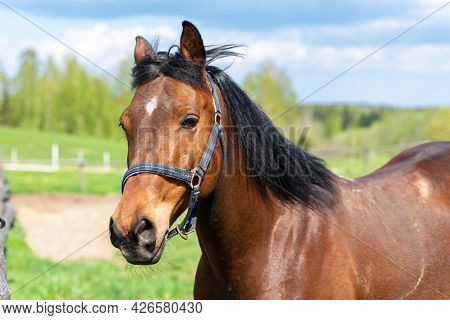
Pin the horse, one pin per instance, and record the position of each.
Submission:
(272, 221)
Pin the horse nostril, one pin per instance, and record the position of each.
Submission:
(114, 234)
(145, 232)
(141, 226)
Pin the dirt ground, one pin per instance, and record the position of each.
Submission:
(58, 226)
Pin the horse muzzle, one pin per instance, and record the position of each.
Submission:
(140, 246)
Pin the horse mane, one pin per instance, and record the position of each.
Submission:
(277, 166)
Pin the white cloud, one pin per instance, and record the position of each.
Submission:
(102, 43)
(424, 58)
(432, 3)
(428, 6)
(276, 50)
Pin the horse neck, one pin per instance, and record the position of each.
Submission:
(237, 223)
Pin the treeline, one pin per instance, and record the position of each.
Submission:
(360, 126)
(342, 125)
(44, 96)
(67, 99)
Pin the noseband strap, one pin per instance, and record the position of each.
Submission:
(192, 177)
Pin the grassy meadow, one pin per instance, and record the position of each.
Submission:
(33, 144)
(31, 277)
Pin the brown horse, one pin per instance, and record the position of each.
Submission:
(273, 222)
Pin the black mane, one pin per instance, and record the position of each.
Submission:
(277, 166)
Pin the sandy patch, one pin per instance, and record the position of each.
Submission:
(67, 225)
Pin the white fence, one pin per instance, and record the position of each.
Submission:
(56, 163)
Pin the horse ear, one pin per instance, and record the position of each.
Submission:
(191, 44)
(142, 49)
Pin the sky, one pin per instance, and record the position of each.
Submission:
(313, 41)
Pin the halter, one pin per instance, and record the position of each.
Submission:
(193, 177)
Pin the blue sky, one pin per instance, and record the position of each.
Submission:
(312, 40)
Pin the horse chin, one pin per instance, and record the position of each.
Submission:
(141, 256)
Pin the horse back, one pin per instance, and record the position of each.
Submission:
(398, 219)
(425, 168)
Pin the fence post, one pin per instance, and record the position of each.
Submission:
(14, 155)
(106, 161)
(366, 153)
(81, 166)
(55, 157)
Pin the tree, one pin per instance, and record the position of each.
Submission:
(271, 88)
(50, 86)
(6, 112)
(26, 97)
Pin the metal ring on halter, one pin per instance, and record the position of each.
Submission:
(181, 233)
(217, 117)
(196, 178)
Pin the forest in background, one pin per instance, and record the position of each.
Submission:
(69, 99)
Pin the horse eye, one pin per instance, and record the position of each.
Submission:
(189, 122)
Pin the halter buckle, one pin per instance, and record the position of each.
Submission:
(196, 178)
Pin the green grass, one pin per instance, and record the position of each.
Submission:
(33, 144)
(354, 166)
(30, 277)
(64, 182)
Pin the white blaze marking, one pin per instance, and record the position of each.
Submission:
(151, 106)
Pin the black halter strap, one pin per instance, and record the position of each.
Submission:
(193, 177)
